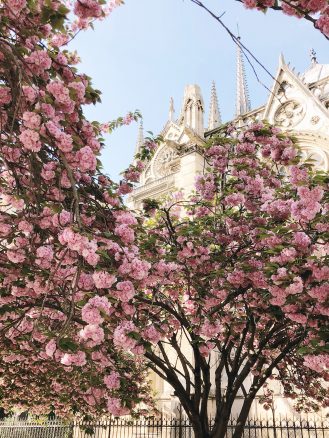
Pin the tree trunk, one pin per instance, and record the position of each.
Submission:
(241, 422)
(200, 426)
(201, 430)
(221, 422)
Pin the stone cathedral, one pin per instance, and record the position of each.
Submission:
(298, 103)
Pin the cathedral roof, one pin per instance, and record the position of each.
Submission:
(316, 72)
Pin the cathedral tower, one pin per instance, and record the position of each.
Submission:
(193, 109)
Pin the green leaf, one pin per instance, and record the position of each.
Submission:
(5, 308)
(67, 344)
(104, 254)
(304, 350)
(134, 335)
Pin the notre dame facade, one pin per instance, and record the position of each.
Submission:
(298, 103)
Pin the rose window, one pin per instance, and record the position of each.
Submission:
(289, 114)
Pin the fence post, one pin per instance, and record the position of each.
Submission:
(108, 424)
(180, 430)
(274, 428)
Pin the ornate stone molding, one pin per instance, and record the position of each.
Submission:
(153, 187)
(314, 146)
(166, 161)
(289, 114)
(315, 120)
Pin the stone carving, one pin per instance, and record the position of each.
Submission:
(321, 90)
(317, 91)
(166, 161)
(315, 120)
(283, 87)
(317, 157)
(148, 176)
(289, 114)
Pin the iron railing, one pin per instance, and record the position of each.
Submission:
(156, 428)
(13, 428)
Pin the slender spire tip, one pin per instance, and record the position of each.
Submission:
(171, 110)
(140, 137)
(242, 95)
(281, 59)
(214, 119)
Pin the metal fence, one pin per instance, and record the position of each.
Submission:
(156, 428)
(145, 428)
(11, 428)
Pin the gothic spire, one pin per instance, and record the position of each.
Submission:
(171, 110)
(140, 137)
(242, 95)
(214, 114)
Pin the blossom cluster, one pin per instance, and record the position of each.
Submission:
(299, 9)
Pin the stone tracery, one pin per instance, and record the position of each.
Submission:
(289, 114)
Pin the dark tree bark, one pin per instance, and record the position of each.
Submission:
(192, 384)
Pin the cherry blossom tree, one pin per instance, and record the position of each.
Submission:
(65, 233)
(238, 288)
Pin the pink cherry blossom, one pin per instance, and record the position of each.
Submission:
(5, 95)
(51, 348)
(112, 381)
(126, 290)
(115, 408)
(30, 140)
(125, 232)
(121, 336)
(93, 334)
(103, 279)
(77, 359)
(86, 159)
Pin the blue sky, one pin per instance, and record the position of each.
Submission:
(148, 50)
